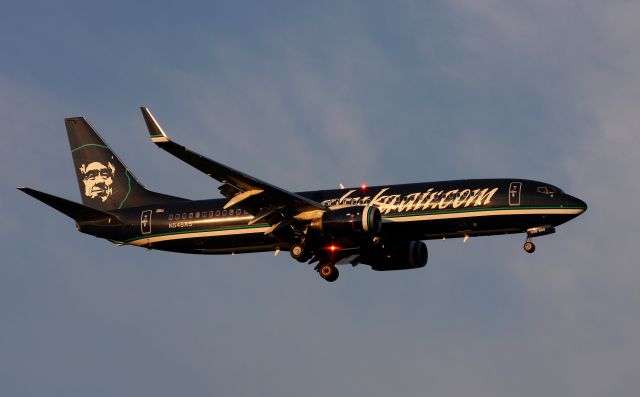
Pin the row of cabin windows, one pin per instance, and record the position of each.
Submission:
(205, 214)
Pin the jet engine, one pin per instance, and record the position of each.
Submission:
(355, 220)
(398, 256)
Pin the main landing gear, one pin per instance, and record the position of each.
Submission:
(299, 252)
(328, 272)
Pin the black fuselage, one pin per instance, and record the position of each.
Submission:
(418, 211)
(379, 226)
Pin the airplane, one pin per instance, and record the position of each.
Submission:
(379, 226)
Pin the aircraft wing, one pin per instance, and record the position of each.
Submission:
(258, 197)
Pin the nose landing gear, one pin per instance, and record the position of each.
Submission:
(529, 246)
(535, 232)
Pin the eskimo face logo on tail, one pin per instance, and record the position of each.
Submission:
(98, 180)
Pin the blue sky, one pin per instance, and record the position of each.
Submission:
(310, 96)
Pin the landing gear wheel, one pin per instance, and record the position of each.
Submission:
(299, 252)
(529, 247)
(328, 272)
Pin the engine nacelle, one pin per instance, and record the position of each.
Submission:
(355, 220)
(399, 256)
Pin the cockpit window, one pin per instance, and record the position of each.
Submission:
(549, 190)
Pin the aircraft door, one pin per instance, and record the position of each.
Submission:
(145, 222)
(515, 189)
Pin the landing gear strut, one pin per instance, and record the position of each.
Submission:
(328, 272)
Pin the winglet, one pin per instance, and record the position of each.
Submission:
(156, 132)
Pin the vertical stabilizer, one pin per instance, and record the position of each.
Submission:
(105, 181)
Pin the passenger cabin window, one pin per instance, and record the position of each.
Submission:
(218, 213)
(224, 212)
(210, 214)
(197, 214)
(170, 217)
(190, 215)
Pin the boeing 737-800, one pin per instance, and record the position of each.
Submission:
(380, 226)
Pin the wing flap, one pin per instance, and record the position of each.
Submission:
(265, 214)
(240, 197)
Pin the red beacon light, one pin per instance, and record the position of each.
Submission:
(363, 186)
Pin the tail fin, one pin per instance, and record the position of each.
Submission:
(105, 181)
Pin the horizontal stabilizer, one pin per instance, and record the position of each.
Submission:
(76, 211)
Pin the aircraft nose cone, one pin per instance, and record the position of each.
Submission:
(575, 202)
